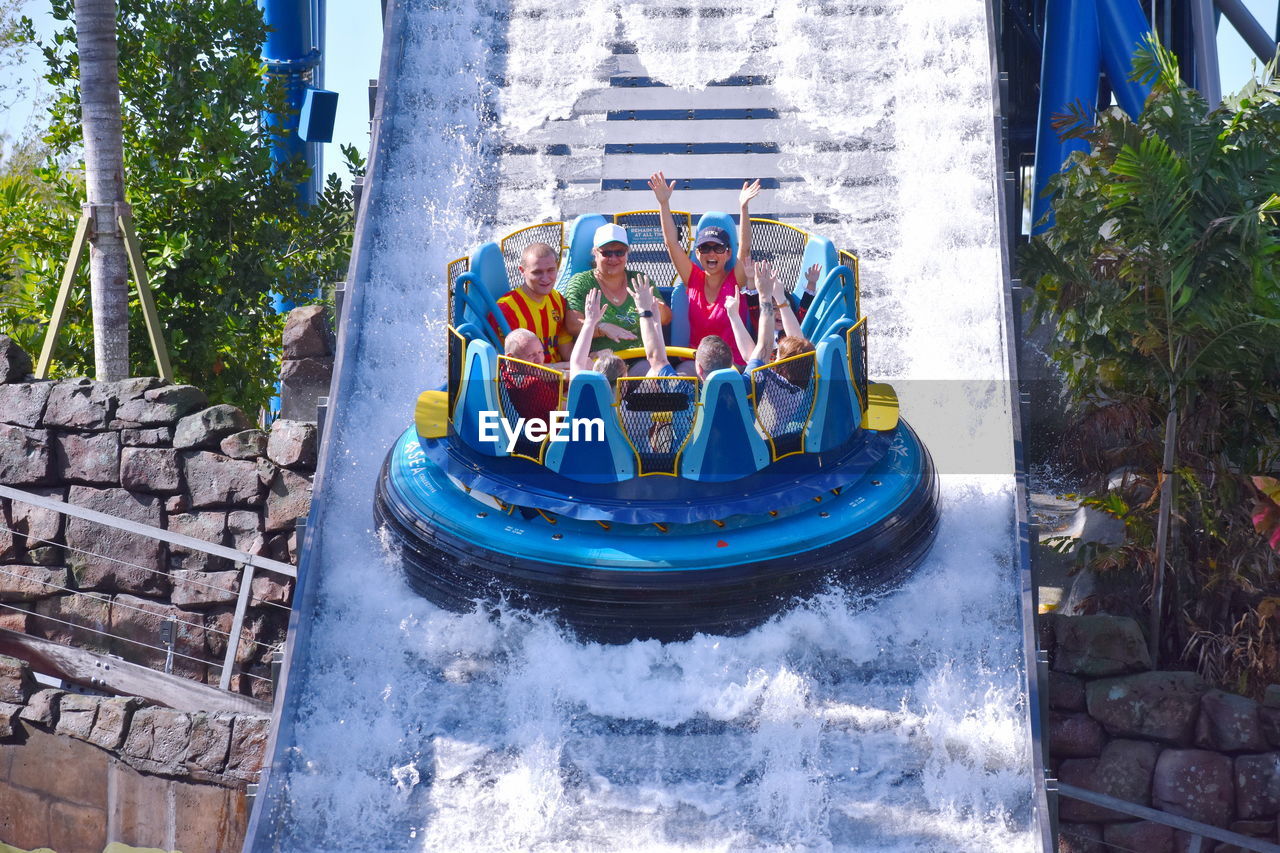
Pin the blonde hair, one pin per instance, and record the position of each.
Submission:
(610, 365)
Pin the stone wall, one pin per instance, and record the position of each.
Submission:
(160, 455)
(78, 772)
(1165, 740)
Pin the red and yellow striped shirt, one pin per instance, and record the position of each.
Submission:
(544, 317)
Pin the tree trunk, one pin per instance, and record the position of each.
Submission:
(104, 183)
(1162, 525)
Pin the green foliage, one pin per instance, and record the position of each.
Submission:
(219, 229)
(1161, 277)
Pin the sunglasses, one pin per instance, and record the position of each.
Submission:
(712, 249)
(612, 253)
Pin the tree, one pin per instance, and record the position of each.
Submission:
(104, 185)
(1161, 276)
(219, 229)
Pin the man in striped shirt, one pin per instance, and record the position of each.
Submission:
(535, 305)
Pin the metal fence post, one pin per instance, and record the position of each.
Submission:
(237, 622)
(166, 639)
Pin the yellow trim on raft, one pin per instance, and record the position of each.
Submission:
(882, 407)
(638, 352)
(431, 414)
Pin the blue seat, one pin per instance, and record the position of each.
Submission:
(479, 394)
(679, 315)
(836, 413)
(577, 256)
(836, 298)
(719, 220)
(817, 250)
(592, 459)
(725, 444)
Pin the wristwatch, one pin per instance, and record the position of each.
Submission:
(646, 314)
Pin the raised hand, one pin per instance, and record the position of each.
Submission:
(766, 281)
(661, 190)
(811, 277)
(731, 303)
(642, 294)
(594, 308)
(749, 191)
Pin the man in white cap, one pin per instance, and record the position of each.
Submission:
(619, 328)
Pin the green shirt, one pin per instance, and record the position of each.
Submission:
(625, 316)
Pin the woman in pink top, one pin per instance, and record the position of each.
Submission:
(709, 282)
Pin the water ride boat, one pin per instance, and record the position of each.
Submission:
(657, 508)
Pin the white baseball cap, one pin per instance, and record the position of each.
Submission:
(611, 233)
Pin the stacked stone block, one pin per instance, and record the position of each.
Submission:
(76, 768)
(1165, 740)
(160, 455)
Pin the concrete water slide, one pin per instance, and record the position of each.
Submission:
(888, 723)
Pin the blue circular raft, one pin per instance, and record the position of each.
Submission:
(862, 519)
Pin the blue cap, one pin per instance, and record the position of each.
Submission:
(711, 234)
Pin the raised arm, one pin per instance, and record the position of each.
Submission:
(662, 192)
(580, 359)
(765, 280)
(655, 349)
(741, 337)
(749, 191)
(790, 323)
(810, 286)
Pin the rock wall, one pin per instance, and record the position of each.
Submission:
(160, 455)
(78, 772)
(1165, 740)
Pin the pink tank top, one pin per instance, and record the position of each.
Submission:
(712, 318)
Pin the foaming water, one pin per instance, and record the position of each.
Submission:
(890, 722)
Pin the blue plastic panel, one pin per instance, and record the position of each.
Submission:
(577, 257)
(739, 538)
(679, 303)
(479, 393)
(315, 121)
(836, 414)
(721, 220)
(836, 298)
(725, 444)
(1123, 29)
(488, 265)
(474, 305)
(818, 250)
(593, 461)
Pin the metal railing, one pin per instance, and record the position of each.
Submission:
(247, 563)
(1198, 831)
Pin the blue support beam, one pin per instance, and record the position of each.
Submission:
(1081, 37)
(1068, 75)
(291, 55)
(1122, 29)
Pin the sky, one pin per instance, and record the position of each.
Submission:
(354, 46)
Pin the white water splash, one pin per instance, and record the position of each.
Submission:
(892, 723)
